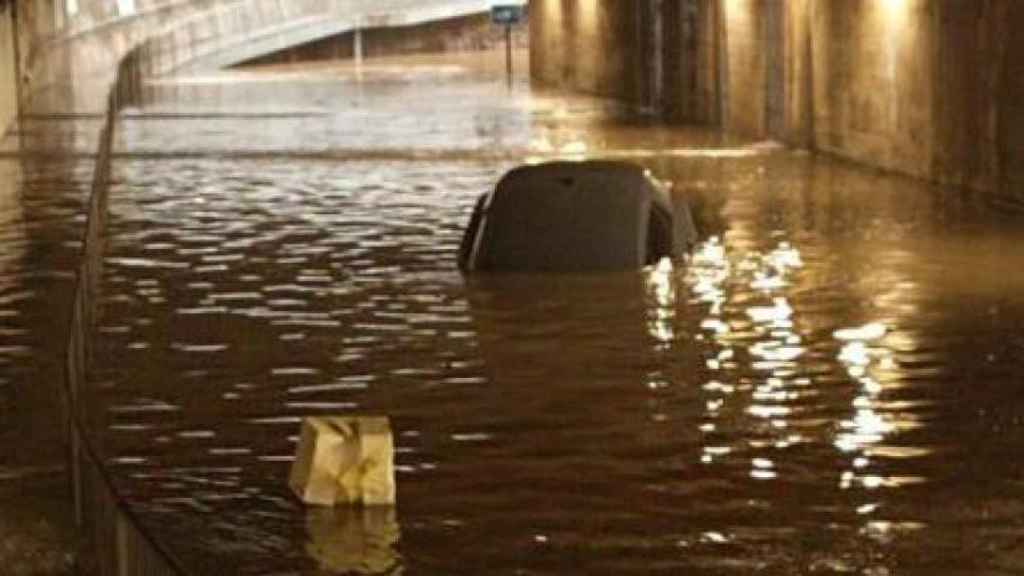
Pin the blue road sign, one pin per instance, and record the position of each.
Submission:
(507, 14)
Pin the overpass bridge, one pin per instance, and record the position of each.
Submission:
(67, 57)
(234, 32)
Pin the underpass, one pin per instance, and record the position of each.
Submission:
(839, 352)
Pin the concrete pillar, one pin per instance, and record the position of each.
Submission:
(1004, 91)
(773, 32)
(649, 72)
(58, 14)
(657, 57)
(689, 59)
(719, 93)
(640, 55)
(357, 46)
(685, 58)
(9, 67)
(799, 74)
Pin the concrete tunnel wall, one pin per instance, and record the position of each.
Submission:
(67, 60)
(8, 71)
(586, 46)
(607, 47)
(927, 88)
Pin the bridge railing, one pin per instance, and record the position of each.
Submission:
(117, 542)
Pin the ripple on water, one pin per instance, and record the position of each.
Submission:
(792, 399)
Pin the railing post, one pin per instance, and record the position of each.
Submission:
(357, 45)
(121, 546)
(76, 477)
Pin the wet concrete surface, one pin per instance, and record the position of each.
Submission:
(829, 385)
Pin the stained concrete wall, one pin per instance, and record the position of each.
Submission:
(692, 66)
(68, 60)
(474, 32)
(928, 88)
(607, 48)
(1007, 82)
(585, 45)
(8, 71)
(745, 67)
(912, 86)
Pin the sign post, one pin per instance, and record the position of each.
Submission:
(508, 15)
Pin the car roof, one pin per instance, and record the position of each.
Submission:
(568, 216)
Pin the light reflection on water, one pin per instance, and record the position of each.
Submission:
(354, 541)
(836, 356)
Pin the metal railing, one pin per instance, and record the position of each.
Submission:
(117, 542)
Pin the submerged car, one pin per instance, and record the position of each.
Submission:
(574, 217)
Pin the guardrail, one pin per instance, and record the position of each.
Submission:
(117, 542)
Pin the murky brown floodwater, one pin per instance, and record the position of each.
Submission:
(43, 190)
(831, 384)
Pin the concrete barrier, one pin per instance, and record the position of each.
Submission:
(116, 540)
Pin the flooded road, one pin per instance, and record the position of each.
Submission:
(829, 385)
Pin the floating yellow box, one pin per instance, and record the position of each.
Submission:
(345, 461)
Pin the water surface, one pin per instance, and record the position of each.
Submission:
(43, 189)
(828, 385)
